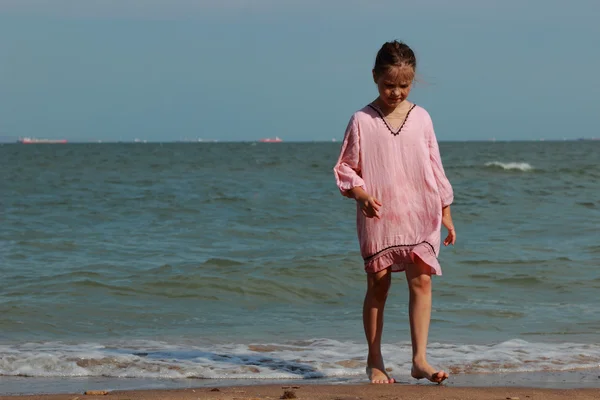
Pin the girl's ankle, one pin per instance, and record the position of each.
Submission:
(419, 360)
(374, 357)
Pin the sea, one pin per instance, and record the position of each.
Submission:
(171, 265)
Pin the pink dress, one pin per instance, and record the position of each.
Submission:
(403, 170)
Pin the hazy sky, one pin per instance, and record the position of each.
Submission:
(242, 70)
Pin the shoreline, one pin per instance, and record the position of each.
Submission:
(584, 384)
(330, 392)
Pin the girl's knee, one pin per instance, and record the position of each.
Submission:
(419, 276)
(379, 284)
(378, 293)
(421, 283)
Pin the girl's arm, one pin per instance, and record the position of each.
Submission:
(347, 173)
(347, 168)
(443, 184)
(447, 222)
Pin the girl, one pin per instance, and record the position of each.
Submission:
(390, 164)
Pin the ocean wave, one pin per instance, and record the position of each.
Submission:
(309, 359)
(519, 166)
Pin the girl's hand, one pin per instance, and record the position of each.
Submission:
(369, 205)
(451, 238)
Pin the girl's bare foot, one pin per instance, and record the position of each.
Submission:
(376, 375)
(426, 371)
(376, 371)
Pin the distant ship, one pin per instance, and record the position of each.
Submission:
(276, 139)
(27, 140)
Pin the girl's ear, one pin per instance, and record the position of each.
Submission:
(374, 76)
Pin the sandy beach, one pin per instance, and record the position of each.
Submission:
(333, 392)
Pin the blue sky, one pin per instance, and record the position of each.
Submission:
(242, 70)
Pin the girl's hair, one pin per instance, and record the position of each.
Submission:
(394, 54)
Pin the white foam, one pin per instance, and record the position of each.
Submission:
(318, 358)
(510, 165)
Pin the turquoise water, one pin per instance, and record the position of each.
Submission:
(240, 260)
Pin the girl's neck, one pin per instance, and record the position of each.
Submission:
(387, 110)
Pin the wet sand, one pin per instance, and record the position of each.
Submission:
(333, 392)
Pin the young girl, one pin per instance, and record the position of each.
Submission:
(390, 164)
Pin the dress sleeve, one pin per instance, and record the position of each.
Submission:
(347, 170)
(443, 184)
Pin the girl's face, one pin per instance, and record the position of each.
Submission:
(394, 84)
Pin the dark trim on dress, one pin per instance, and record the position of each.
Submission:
(369, 258)
(386, 123)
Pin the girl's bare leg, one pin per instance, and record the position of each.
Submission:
(418, 276)
(378, 285)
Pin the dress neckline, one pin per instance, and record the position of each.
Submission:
(380, 113)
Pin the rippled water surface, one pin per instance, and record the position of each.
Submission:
(194, 253)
